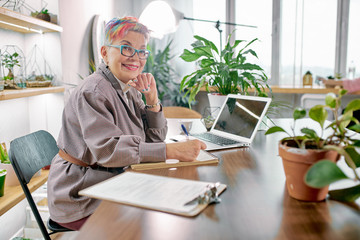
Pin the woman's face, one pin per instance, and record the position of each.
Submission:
(125, 68)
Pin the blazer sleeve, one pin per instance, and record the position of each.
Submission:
(155, 123)
(107, 144)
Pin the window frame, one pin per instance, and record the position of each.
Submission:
(341, 36)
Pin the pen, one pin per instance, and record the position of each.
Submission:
(185, 131)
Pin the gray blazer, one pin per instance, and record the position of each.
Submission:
(100, 127)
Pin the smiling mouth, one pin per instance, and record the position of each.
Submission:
(131, 67)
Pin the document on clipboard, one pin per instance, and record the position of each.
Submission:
(172, 195)
(204, 158)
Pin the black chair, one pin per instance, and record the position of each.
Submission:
(28, 154)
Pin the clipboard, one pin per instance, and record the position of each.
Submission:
(204, 158)
(164, 194)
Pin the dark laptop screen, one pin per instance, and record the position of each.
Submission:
(240, 116)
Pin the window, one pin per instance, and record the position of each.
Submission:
(353, 52)
(249, 13)
(308, 39)
(213, 10)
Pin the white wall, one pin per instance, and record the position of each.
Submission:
(76, 19)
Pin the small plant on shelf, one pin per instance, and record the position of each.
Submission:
(9, 61)
(4, 158)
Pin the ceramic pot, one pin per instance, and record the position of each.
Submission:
(296, 163)
(11, 178)
(44, 16)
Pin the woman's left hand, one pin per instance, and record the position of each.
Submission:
(145, 83)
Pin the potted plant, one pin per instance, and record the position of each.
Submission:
(9, 61)
(226, 70)
(43, 15)
(11, 179)
(310, 159)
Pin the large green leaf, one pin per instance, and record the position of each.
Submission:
(252, 52)
(236, 43)
(330, 100)
(355, 127)
(323, 173)
(204, 51)
(345, 119)
(274, 129)
(207, 42)
(354, 155)
(353, 105)
(319, 114)
(299, 113)
(356, 143)
(346, 194)
(310, 133)
(189, 56)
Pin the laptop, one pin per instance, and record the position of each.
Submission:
(237, 122)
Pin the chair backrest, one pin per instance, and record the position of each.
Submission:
(28, 154)
(32, 152)
(310, 100)
(180, 112)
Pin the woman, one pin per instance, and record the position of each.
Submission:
(106, 126)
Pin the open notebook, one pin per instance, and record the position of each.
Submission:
(203, 158)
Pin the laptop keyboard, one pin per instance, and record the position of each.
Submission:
(215, 139)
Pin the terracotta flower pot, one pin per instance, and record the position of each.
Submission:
(296, 162)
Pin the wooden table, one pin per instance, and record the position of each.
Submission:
(295, 89)
(14, 194)
(255, 205)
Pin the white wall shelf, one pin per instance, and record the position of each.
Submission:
(11, 20)
(29, 92)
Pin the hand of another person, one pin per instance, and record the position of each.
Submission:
(184, 151)
(332, 83)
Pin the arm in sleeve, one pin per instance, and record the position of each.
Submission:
(155, 123)
(352, 85)
(107, 143)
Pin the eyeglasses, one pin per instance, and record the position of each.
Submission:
(129, 51)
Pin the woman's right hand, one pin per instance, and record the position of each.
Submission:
(184, 151)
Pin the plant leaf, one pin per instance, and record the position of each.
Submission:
(342, 92)
(330, 100)
(299, 113)
(346, 194)
(356, 143)
(318, 114)
(323, 173)
(354, 155)
(353, 105)
(274, 129)
(189, 56)
(310, 133)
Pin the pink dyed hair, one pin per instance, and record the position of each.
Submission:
(118, 27)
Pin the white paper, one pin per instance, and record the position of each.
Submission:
(149, 191)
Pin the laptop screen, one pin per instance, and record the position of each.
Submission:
(240, 116)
